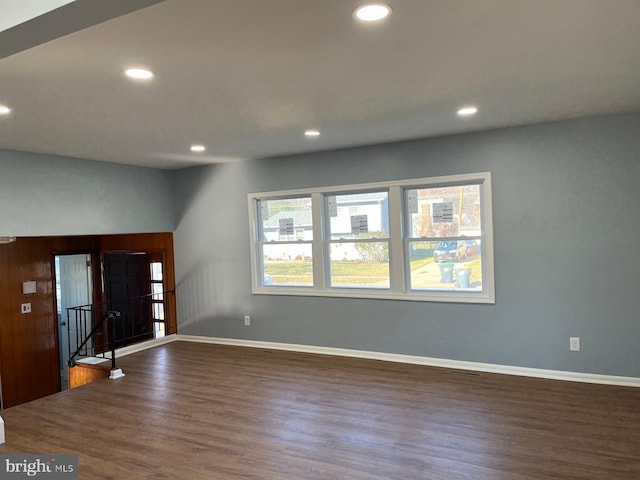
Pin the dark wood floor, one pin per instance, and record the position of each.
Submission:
(192, 411)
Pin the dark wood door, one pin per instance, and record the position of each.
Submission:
(127, 290)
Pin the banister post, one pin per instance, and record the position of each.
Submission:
(112, 336)
(111, 321)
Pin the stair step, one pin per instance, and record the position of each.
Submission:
(91, 360)
(81, 374)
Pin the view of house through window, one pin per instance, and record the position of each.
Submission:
(359, 239)
(419, 239)
(444, 237)
(286, 231)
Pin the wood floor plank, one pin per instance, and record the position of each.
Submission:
(192, 411)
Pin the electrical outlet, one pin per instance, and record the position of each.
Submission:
(574, 344)
(25, 308)
(247, 320)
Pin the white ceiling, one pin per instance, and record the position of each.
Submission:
(247, 77)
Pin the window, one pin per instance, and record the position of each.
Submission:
(426, 239)
(443, 237)
(157, 296)
(285, 239)
(358, 236)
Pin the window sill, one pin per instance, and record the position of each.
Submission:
(378, 294)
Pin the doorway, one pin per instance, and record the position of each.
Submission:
(127, 285)
(73, 288)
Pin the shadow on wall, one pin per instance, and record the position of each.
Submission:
(207, 292)
(188, 184)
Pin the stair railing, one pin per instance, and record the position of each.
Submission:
(110, 318)
(97, 329)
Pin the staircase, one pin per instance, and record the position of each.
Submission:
(82, 363)
(95, 331)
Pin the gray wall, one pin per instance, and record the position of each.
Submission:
(49, 195)
(566, 230)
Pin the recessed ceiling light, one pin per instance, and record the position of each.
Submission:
(139, 73)
(4, 110)
(312, 133)
(467, 111)
(198, 148)
(372, 12)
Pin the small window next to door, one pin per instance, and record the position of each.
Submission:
(157, 297)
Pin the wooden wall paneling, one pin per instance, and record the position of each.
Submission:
(136, 242)
(170, 285)
(29, 342)
(5, 305)
(77, 244)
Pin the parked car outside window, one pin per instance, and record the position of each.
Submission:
(454, 250)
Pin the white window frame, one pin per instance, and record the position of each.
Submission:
(398, 241)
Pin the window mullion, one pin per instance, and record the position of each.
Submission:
(287, 242)
(361, 240)
(396, 249)
(320, 255)
(444, 239)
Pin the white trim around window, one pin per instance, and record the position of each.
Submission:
(422, 239)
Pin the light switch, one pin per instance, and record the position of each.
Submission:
(28, 287)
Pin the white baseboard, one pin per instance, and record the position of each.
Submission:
(128, 350)
(428, 361)
(138, 347)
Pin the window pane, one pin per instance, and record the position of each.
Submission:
(156, 271)
(159, 329)
(444, 211)
(157, 290)
(358, 215)
(286, 220)
(448, 265)
(360, 265)
(158, 311)
(287, 264)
